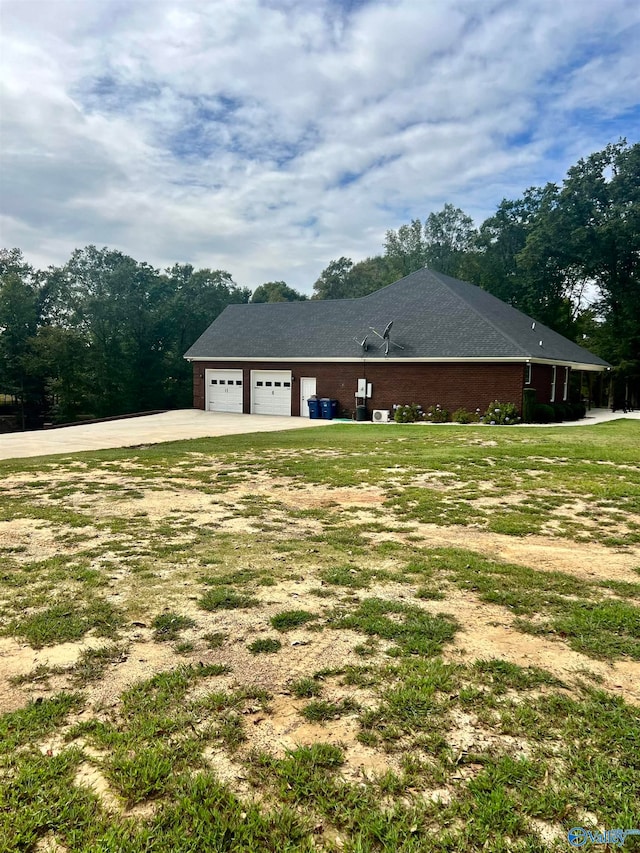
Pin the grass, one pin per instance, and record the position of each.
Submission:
(223, 598)
(287, 620)
(267, 645)
(564, 607)
(305, 688)
(66, 622)
(504, 746)
(321, 710)
(167, 626)
(413, 630)
(38, 719)
(346, 576)
(92, 664)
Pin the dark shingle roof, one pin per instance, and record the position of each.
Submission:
(435, 317)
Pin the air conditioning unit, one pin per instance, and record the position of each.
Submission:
(381, 416)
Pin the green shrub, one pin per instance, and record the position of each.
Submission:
(578, 411)
(501, 414)
(407, 414)
(462, 416)
(543, 414)
(529, 405)
(560, 412)
(437, 415)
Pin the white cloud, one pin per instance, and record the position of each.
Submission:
(268, 137)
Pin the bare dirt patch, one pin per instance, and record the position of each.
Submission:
(589, 561)
(486, 632)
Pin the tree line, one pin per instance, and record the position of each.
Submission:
(105, 334)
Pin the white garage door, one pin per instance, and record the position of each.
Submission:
(224, 390)
(271, 392)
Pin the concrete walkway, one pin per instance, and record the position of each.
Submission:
(149, 429)
(187, 423)
(595, 416)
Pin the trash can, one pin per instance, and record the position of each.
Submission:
(314, 408)
(361, 413)
(329, 408)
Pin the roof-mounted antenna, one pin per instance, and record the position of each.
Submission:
(385, 338)
(363, 343)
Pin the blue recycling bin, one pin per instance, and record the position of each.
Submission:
(314, 408)
(329, 408)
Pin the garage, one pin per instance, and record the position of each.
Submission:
(271, 392)
(224, 391)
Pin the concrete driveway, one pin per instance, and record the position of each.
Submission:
(185, 423)
(149, 429)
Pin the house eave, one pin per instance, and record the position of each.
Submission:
(575, 365)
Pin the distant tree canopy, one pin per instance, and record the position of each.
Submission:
(342, 279)
(105, 334)
(276, 291)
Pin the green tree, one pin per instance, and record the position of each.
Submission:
(19, 318)
(406, 248)
(449, 235)
(114, 301)
(60, 357)
(333, 282)
(371, 274)
(194, 298)
(276, 291)
(342, 279)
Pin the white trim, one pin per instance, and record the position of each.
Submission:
(527, 373)
(554, 374)
(304, 408)
(565, 389)
(576, 365)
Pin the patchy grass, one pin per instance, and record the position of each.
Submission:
(305, 688)
(63, 623)
(167, 626)
(413, 630)
(267, 645)
(92, 664)
(320, 710)
(38, 719)
(290, 619)
(422, 747)
(223, 598)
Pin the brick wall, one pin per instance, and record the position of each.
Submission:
(541, 375)
(450, 385)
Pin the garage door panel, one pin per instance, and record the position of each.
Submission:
(271, 392)
(224, 391)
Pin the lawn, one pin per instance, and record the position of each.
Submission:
(356, 638)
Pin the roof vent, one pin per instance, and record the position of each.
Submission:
(533, 325)
(540, 343)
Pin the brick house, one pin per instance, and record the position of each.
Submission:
(426, 339)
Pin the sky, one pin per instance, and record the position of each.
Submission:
(268, 137)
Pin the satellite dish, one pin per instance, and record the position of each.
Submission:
(385, 338)
(363, 343)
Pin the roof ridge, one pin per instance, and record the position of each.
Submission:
(489, 322)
